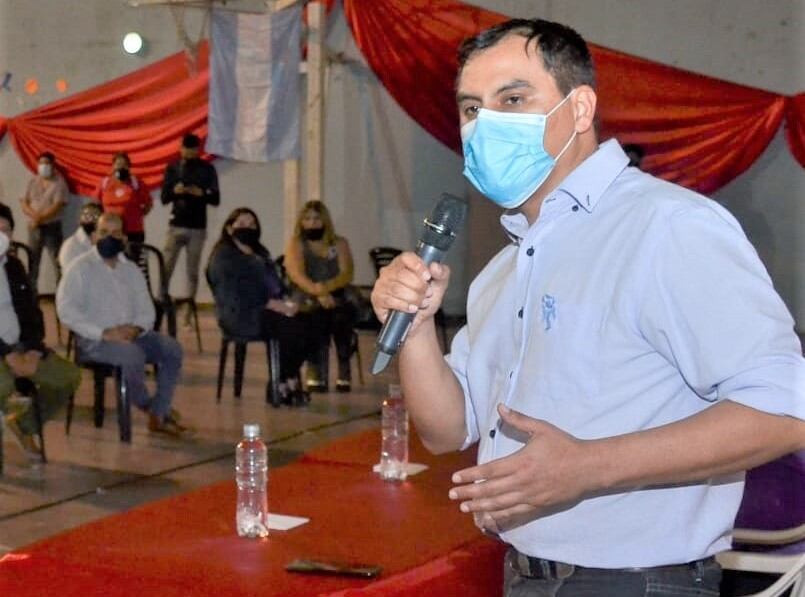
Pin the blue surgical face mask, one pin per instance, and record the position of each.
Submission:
(504, 154)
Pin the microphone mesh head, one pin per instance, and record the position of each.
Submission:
(445, 221)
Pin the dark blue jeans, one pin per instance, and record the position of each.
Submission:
(701, 579)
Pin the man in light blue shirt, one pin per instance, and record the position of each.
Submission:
(625, 358)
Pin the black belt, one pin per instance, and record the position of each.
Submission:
(539, 568)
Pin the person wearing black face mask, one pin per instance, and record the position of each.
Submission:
(320, 266)
(104, 299)
(81, 241)
(251, 299)
(122, 193)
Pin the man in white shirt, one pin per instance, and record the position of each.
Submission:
(103, 298)
(81, 240)
(625, 357)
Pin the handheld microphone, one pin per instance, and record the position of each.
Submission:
(440, 229)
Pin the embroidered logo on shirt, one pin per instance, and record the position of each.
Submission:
(548, 310)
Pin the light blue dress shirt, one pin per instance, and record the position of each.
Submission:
(629, 304)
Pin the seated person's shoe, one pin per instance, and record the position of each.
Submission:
(168, 426)
(343, 386)
(24, 440)
(315, 385)
(300, 397)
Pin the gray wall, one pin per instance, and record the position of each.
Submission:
(383, 171)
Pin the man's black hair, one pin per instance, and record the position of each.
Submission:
(633, 149)
(5, 213)
(564, 52)
(48, 156)
(191, 141)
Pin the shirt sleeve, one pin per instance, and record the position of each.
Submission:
(711, 310)
(457, 361)
(71, 304)
(144, 306)
(63, 193)
(212, 194)
(168, 182)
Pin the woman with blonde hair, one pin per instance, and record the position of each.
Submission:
(319, 264)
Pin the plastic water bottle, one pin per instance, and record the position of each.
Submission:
(251, 474)
(394, 448)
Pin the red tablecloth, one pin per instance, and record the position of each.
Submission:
(187, 545)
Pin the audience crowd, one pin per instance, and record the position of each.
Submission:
(103, 294)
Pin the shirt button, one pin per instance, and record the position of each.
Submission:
(492, 433)
(520, 313)
(530, 251)
(575, 208)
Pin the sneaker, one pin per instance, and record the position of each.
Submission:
(343, 386)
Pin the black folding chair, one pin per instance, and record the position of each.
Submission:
(273, 356)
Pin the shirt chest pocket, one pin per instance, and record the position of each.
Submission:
(564, 347)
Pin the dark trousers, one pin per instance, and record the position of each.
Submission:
(45, 236)
(337, 323)
(296, 338)
(698, 578)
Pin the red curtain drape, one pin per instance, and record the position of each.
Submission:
(698, 131)
(795, 126)
(144, 113)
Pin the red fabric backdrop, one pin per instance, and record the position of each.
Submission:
(144, 113)
(795, 126)
(698, 131)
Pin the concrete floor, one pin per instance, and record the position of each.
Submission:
(91, 474)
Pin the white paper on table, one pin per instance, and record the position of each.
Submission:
(282, 522)
(411, 468)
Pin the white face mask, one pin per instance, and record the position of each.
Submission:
(4, 244)
(45, 170)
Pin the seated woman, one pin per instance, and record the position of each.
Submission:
(319, 263)
(251, 300)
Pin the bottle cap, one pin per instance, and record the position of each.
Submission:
(251, 430)
(395, 391)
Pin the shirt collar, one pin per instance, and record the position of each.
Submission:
(585, 185)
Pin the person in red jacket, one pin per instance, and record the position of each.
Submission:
(123, 194)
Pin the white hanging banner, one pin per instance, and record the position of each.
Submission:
(255, 87)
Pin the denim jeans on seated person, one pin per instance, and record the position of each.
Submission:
(699, 579)
(131, 357)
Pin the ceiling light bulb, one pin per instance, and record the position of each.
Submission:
(132, 43)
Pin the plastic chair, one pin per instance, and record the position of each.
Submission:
(100, 372)
(792, 568)
(148, 258)
(381, 257)
(273, 355)
(755, 561)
